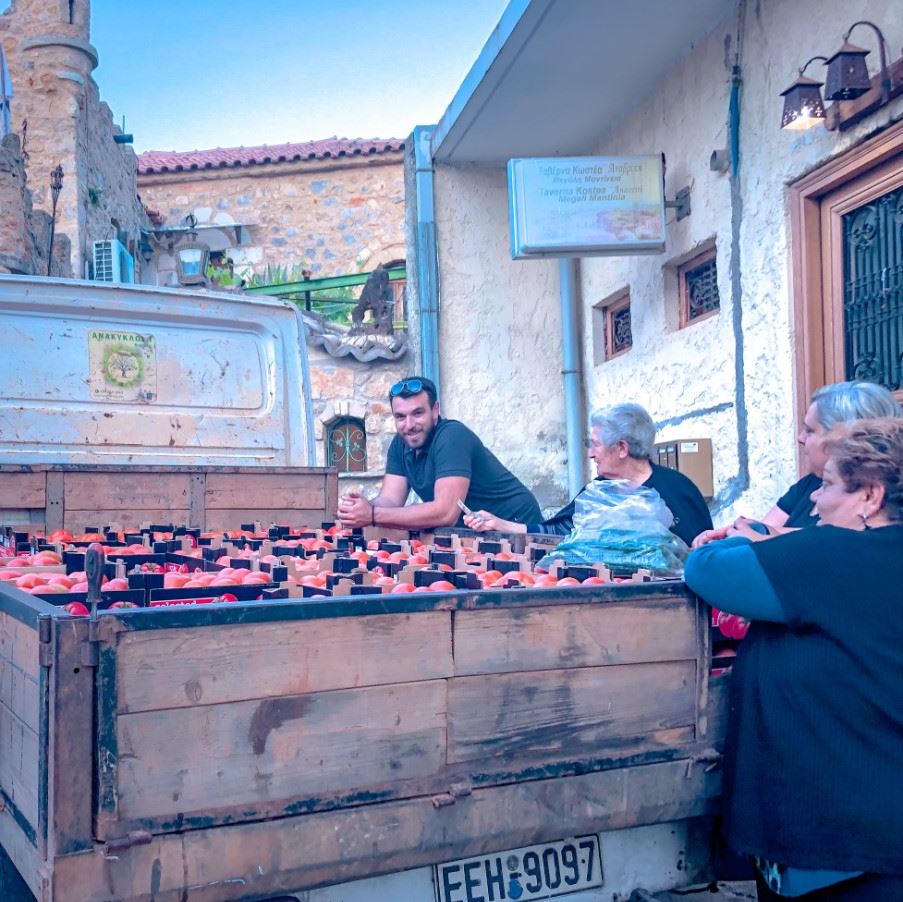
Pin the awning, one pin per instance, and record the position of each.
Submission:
(554, 71)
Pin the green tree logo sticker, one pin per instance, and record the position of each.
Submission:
(123, 365)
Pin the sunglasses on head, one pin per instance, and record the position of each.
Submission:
(407, 386)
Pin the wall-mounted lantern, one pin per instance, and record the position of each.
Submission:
(848, 84)
(56, 185)
(191, 256)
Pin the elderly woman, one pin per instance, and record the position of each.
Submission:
(814, 754)
(841, 402)
(620, 445)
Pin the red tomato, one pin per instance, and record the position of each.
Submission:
(76, 609)
(404, 587)
(442, 585)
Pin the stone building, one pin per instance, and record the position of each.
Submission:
(321, 208)
(725, 334)
(59, 119)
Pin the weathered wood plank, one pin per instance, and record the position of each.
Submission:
(128, 518)
(139, 489)
(19, 716)
(502, 640)
(211, 665)
(23, 490)
(19, 669)
(23, 854)
(299, 491)
(568, 712)
(291, 854)
(72, 741)
(19, 764)
(230, 518)
(195, 759)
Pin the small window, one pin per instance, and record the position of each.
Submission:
(612, 335)
(346, 446)
(698, 281)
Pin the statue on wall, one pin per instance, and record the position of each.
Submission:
(376, 298)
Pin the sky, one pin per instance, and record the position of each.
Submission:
(199, 74)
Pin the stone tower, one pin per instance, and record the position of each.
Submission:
(58, 115)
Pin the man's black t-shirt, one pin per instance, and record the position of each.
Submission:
(797, 504)
(453, 450)
(684, 500)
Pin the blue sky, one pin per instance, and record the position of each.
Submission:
(220, 73)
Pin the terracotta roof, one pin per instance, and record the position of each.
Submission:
(222, 157)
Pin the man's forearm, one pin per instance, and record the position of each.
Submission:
(425, 515)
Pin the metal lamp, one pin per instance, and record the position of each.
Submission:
(191, 257)
(848, 74)
(56, 185)
(803, 106)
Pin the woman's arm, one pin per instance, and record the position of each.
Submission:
(727, 575)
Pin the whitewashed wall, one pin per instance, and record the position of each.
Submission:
(499, 332)
(500, 324)
(678, 372)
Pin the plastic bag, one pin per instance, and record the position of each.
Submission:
(624, 527)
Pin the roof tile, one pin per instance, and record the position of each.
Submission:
(152, 161)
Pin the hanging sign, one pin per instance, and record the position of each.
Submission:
(586, 206)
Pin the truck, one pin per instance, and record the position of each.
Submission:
(458, 746)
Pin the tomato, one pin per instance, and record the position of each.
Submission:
(49, 589)
(384, 581)
(594, 581)
(442, 585)
(226, 596)
(569, 581)
(121, 605)
(76, 609)
(396, 557)
(30, 580)
(118, 584)
(404, 587)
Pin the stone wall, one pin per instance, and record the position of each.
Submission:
(500, 327)
(58, 115)
(331, 217)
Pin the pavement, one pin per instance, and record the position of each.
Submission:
(734, 891)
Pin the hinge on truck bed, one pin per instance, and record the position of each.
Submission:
(45, 647)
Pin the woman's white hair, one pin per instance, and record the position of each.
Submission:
(628, 423)
(846, 401)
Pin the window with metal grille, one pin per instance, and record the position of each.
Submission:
(346, 445)
(873, 291)
(698, 279)
(612, 324)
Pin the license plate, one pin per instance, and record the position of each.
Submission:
(532, 872)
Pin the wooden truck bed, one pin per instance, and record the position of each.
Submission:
(71, 497)
(235, 751)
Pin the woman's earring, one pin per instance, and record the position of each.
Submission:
(865, 521)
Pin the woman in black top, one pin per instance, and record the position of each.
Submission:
(841, 402)
(620, 445)
(814, 755)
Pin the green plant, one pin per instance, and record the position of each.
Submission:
(223, 276)
(94, 196)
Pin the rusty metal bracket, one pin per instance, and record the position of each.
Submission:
(134, 838)
(456, 791)
(710, 757)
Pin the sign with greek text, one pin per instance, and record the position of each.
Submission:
(122, 365)
(586, 206)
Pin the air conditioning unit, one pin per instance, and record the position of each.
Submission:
(112, 262)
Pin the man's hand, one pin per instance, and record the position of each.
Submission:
(483, 521)
(354, 510)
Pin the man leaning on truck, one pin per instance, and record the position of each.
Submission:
(444, 462)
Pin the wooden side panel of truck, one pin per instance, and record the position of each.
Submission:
(242, 750)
